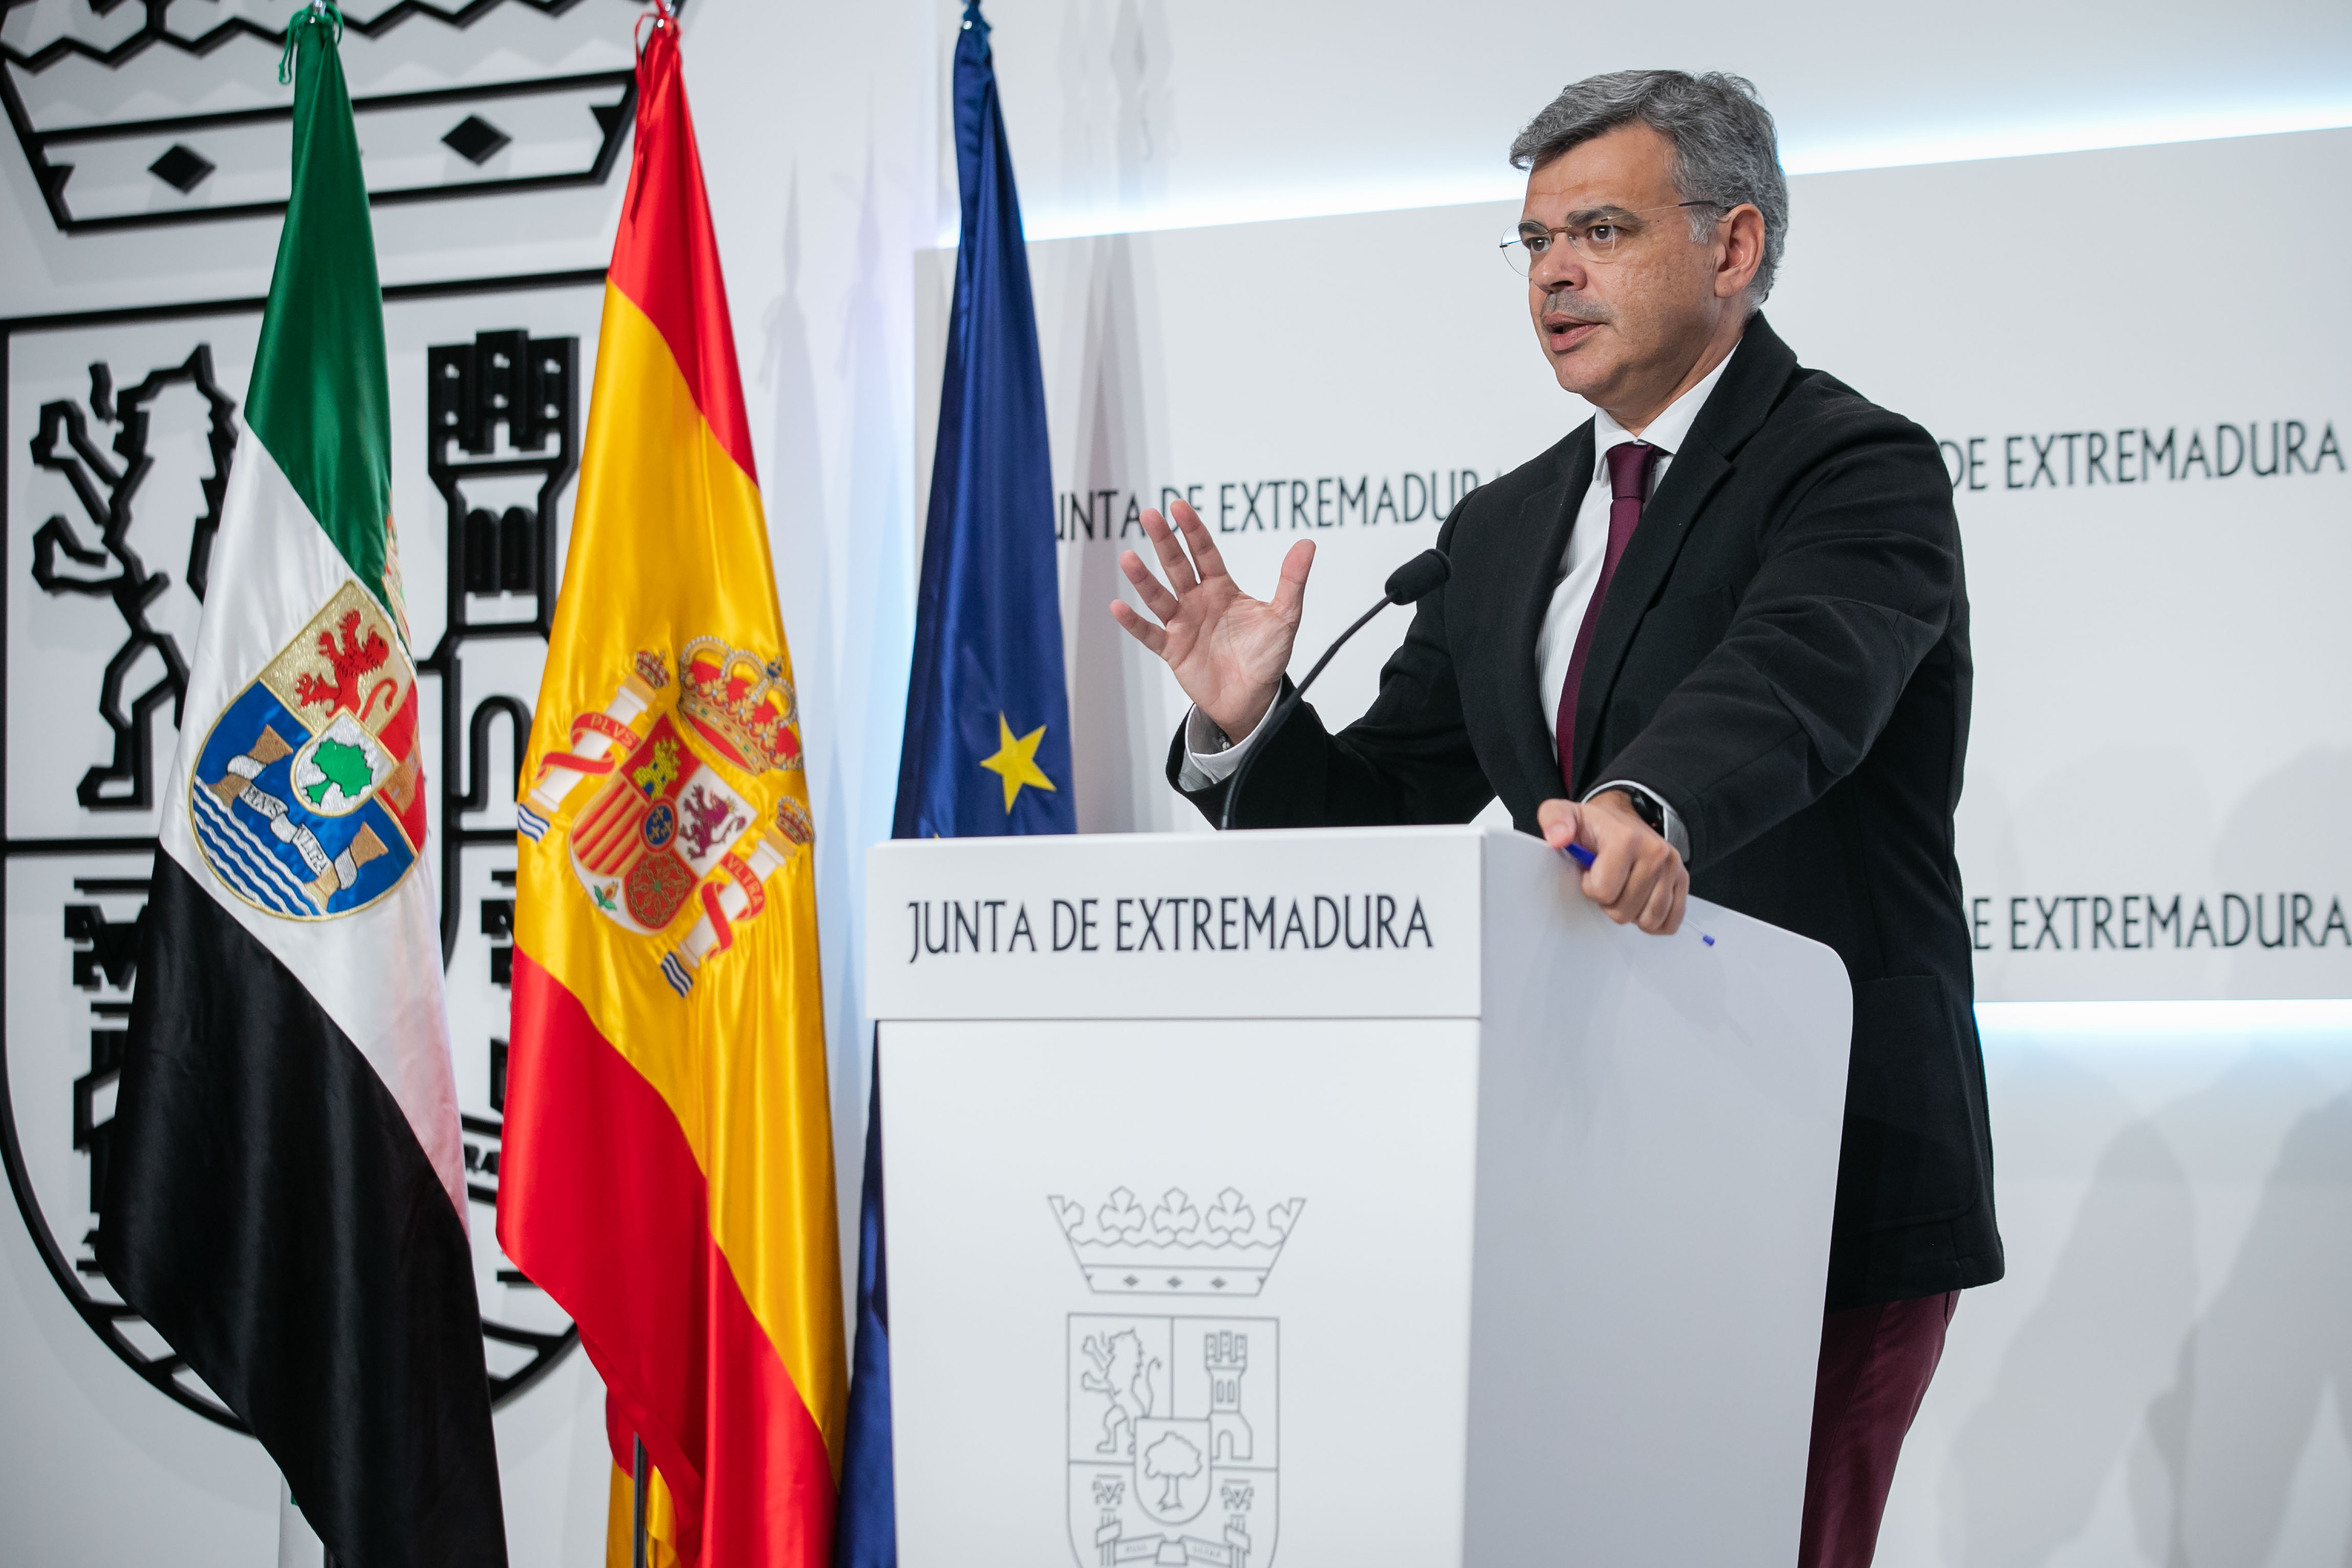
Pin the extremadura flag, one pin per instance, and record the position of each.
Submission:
(287, 1199)
(667, 1162)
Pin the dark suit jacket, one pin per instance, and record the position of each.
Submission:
(1783, 657)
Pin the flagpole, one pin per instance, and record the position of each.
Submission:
(637, 1509)
(299, 1545)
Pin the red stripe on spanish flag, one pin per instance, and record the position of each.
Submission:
(667, 259)
(668, 1168)
(617, 1203)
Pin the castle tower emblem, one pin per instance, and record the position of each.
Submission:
(1229, 1429)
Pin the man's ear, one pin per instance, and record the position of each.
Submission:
(1743, 252)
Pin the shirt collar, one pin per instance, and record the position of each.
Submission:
(1670, 429)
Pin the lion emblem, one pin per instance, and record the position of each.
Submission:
(711, 819)
(1121, 1372)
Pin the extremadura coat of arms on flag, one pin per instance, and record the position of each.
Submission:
(307, 796)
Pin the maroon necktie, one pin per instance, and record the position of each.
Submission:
(1630, 463)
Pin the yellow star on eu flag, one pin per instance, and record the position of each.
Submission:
(1016, 761)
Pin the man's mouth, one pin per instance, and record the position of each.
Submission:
(1564, 333)
(1563, 328)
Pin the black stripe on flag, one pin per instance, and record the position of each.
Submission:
(269, 1212)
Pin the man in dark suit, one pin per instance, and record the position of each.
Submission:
(1718, 635)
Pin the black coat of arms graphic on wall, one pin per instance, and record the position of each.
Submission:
(123, 428)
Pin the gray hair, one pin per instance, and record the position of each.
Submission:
(1725, 149)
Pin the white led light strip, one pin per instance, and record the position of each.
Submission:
(1046, 220)
(2310, 1020)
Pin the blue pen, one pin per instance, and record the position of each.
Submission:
(1583, 857)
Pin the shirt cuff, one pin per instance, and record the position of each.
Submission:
(1209, 757)
(1677, 837)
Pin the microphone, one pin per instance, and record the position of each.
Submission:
(1408, 583)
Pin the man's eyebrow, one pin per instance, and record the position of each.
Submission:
(1608, 211)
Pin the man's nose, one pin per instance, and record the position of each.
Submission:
(1558, 267)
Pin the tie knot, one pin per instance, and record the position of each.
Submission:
(1630, 463)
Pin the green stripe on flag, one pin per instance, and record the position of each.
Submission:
(319, 399)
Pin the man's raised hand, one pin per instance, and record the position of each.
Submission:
(1227, 650)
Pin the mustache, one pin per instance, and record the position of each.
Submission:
(1564, 302)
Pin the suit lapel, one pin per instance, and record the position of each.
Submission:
(1540, 535)
(1752, 385)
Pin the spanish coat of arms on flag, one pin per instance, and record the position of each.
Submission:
(663, 816)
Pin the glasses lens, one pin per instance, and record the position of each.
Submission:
(1516, 251)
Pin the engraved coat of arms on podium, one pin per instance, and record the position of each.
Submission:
(1174, 1435)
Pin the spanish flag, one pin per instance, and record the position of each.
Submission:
(668, 1166)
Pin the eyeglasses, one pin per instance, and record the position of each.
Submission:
(1600, 240)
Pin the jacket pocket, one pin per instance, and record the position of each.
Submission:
(1909, 1154)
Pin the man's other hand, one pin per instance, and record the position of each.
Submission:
(1226, 649)
(1635, 875)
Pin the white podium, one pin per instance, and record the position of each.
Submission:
(1343, 1198)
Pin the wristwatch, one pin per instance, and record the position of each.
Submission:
(1646, 806)
(1652, 810)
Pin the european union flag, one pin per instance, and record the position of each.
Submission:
(866, 1524)
(988, 720)
(987, 746)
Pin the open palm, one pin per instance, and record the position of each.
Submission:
(1228, 651)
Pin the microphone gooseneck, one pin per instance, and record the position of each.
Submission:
(1408, 583)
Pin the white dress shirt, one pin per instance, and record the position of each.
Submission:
(1210, 757)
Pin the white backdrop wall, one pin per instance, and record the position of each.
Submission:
(2165, 1377)
(825, 141)
(2153, 516)
(1147, 113)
